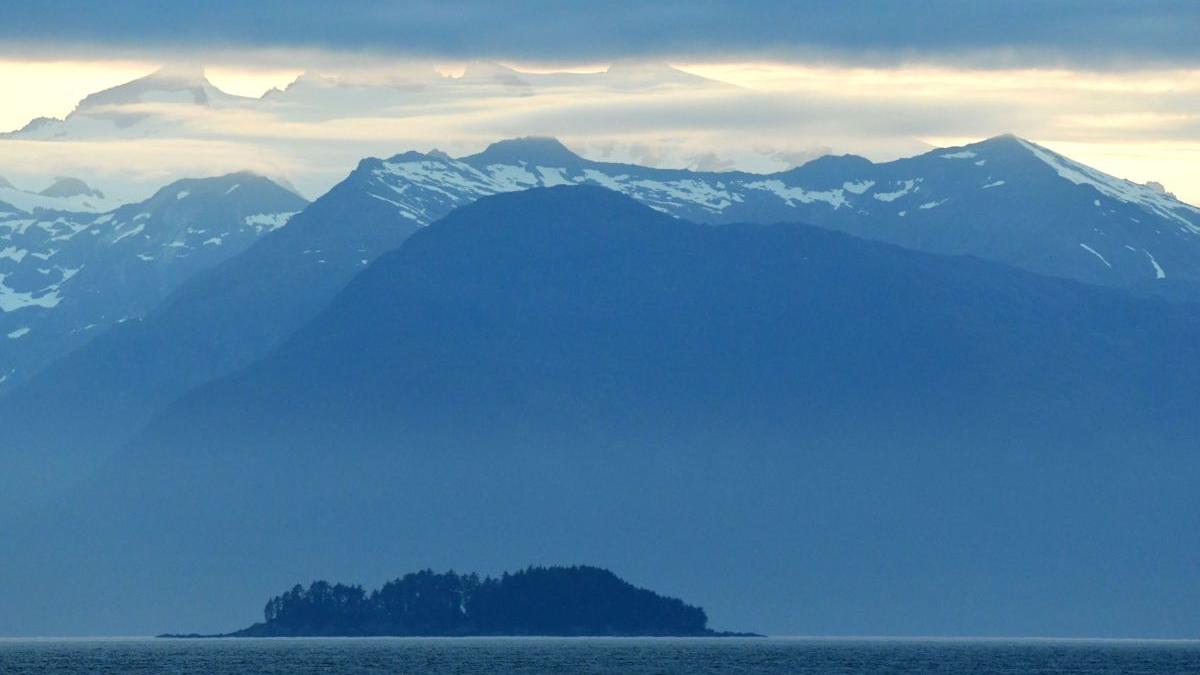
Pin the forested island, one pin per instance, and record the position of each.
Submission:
(553, 601)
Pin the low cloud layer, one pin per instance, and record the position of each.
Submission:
(1143, 125)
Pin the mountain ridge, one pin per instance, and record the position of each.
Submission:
(65, 276)
(224, 320)
(65, 193)
(1029, 207)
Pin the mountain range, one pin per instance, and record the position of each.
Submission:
(979, 360)
(942, 444)
(64, 194)
(144, 107)
(1004, 199)
(65, 276)
(176, 123)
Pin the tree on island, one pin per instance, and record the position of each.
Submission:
(576, 600)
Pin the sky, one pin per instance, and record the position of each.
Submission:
(1115, 84)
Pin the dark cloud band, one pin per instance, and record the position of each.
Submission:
(1098, 33)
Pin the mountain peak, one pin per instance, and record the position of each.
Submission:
(832, 163)
(999, 141)
(172, 81)
(65, 186)
(638, 74)
(488, 69)
(486, 72)
(1002, 145)
(536, 150)
(239, 183)
(180, 74)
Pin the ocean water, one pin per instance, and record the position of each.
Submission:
(634, 656)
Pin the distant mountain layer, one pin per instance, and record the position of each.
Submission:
(65, 277)
(177, 95)
(893, 442)
(569, 601)
(184, 124)
(64, 194)
(219, 319)
(1004, 199)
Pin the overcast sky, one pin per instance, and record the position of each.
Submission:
(1112, 83)
(1087, 33)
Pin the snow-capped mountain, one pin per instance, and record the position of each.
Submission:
(137, 109)
(180, 124)
(1005, 199)
(65, 194)
(218, 320)
(165, 102)
(66, 276)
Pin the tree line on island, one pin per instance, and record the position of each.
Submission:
(555, 601)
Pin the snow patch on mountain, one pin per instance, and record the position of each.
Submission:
(552, 176)
(893, 196)
(1159, 272)
(13, 253)
(12, 300)
(791, 195)
(601, 179)
(130, 233)
(682, 192)
(1096, 253)
(510, 178)
(269, 222)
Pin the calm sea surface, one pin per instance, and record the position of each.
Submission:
(625, 656)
